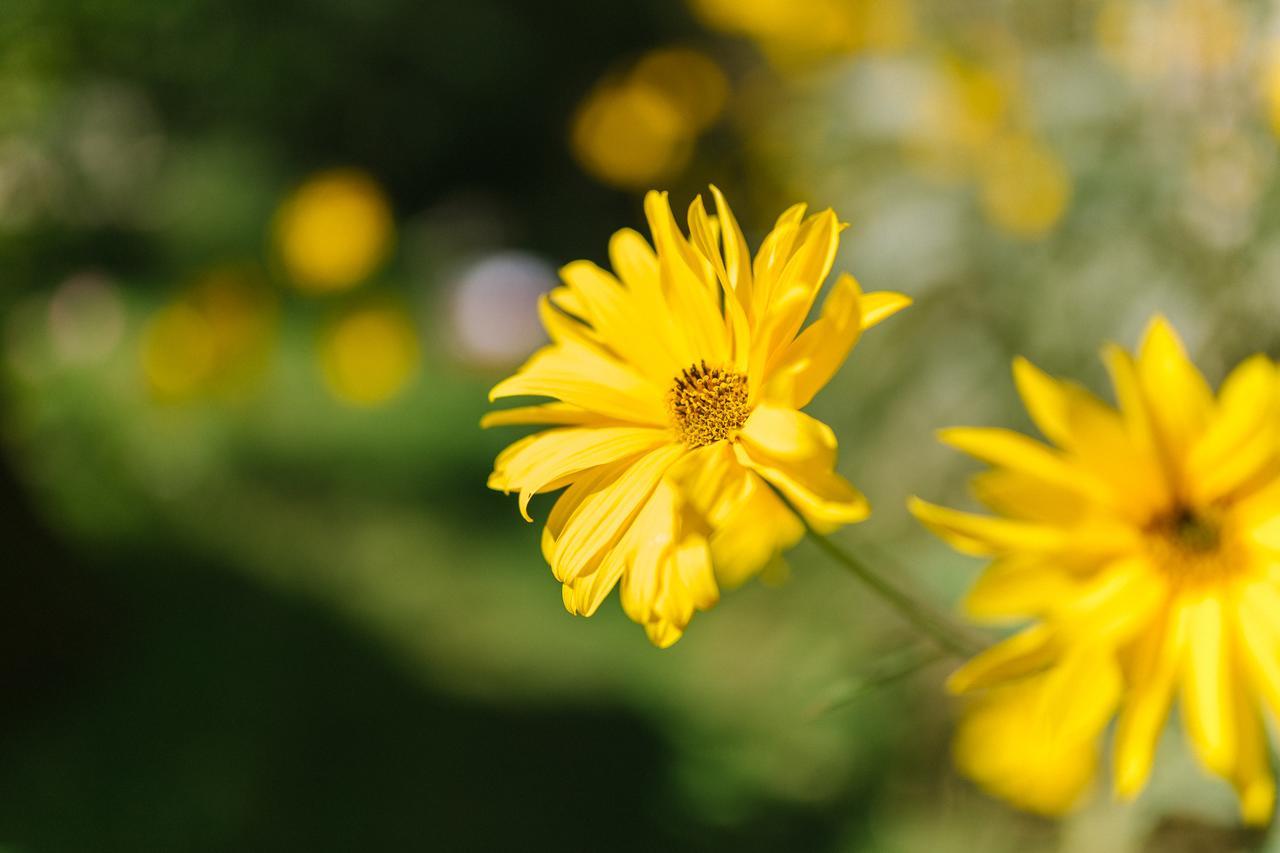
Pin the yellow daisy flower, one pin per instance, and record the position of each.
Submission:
(1144, 545)
(677, 383)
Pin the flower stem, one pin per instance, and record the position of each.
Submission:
(936, 626)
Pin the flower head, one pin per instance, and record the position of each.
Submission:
(1143, 544)
(677, 381)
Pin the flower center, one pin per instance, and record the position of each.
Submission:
(707, 404)
(1193, 545)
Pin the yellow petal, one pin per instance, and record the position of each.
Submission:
(1114, 604)
(1206, 685)
(540, 462)
(1048, 401)
(612, 311)
(809, 362)
(801, 278)
(1096, 437)
(1258, 629)
(1176, 395)
(1153, 664)
(589, 380)
(546, 413)
(650, 546)
(775, 251)
(736, 255)
(753, 530)
(1029, 651)
(1241, 439)
(796, 453)
(692, 561)
(634, 261)
(1001, 744)
(602, 516)
(1019, 495)
(703, 232)
(584, 595)
(880, 305)
(1017, 588)
(1079, 694)
(636, 264)
(1009, 449)
(1251, 777)
(688, 287)
(983, 536)
(1134, 410)
(663, 634)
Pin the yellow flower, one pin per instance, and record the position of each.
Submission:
(678, 380)
(1144, 545)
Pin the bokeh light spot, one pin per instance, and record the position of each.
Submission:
(213, 339)
(86, 318)
(334, 231)
(495, 307)
(369, 354)
(1025, 186)
(638, 128)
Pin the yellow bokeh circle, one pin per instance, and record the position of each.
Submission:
(1025, 187)
(334, 231)
(368, 354)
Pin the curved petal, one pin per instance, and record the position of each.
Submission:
(1152, 663)
(880, 305)
(1003, 744)
(756, 528)
(542, 461)
(620, 321)
(796, 454)
(603, 515)
(1030, 651)
(1206, 685)
(1175, 393)
(1018, 588)
(688, 284)
(807, 364)
(560, 414)
(1241, 439)
(586, 378)
(984, 536)
(1008, 449)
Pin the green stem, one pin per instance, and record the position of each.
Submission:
(936, 626)
(881, 677)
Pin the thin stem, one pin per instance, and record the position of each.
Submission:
(881, 677)
(937, 627)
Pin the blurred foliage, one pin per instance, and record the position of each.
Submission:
(262, 261)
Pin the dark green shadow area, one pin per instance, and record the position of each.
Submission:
(157, 703)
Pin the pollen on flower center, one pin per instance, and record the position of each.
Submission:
(1193, 545)
(707, 404)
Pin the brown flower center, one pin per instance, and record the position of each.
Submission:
(1194, 545)
(707, 404)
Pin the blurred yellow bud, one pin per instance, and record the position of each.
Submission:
(639, 128)
(689, 80)
(630, 136)
(796, 32)
(332, 232)
(965, 110)
(212, 339)
(177, 352)
(1025, 186)
(369, 354)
